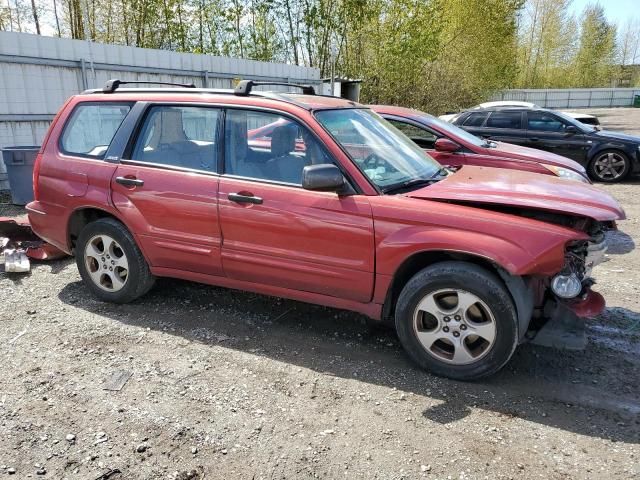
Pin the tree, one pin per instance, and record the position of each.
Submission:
(546, 44)
(596, 55)
(630, 42)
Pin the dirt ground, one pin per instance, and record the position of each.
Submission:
(226, 384)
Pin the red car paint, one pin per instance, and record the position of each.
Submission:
(503, 155)
(497, 186)
(590, 306)
(339, 251)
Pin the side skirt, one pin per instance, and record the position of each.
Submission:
(371, 310)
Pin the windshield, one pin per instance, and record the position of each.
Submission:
(456, 131)
(382, 152)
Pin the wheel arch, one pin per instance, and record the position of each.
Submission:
(81, 217)
(517, 286)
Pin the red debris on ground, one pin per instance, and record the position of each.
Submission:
(16, 233)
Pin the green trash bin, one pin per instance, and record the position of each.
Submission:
(19, 164)
(636, 101)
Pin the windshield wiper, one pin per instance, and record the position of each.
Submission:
(442, 172)
(409, 184)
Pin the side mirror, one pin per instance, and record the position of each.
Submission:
(325, 177)
(570, 130)
(446, 145)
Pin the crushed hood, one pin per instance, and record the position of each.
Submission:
(526, 153)
(514, 188)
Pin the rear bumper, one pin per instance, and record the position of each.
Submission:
(49, 223)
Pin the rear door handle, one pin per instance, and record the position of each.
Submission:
(129, 182)
(240, 198)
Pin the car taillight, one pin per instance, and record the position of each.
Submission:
(36, 175)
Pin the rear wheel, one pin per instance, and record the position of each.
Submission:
(457, 320)
(110, 263)
(609, 166)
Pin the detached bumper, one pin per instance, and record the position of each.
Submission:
(591, 305)
(565, 327)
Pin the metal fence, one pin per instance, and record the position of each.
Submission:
(572, 98)
(37, 74)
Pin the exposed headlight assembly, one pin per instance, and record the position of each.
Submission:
(566, 286)
(566, 173)
(580, 258)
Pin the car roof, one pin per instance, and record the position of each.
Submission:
(508, 108)
(226, 96)
(506, 103)
(399, 111)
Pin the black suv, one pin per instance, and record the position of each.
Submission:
(608, 156)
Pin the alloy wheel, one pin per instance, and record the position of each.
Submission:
(454, 326)
(610, 166)
(106, 263)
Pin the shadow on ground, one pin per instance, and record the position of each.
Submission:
(619, 243)
(593, 392)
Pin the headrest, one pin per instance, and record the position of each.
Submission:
(283, 140)
(168, 128)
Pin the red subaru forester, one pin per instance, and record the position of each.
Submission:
(337, 207)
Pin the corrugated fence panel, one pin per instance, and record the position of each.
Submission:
(37, 74)
(572, 97)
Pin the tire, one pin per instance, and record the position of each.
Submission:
(110, 263)
(609, 166)
(441, 291)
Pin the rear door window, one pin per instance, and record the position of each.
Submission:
(91, 127)
(179, 136)
(512, 120)
(475, 119)
(543, 122)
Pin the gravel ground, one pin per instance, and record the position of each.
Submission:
(221, 383)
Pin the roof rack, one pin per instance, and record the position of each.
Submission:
(244, 88)
(113, 84)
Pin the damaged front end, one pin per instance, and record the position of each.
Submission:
(572, 285)
(567, 297)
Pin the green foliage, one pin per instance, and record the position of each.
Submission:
(433, 55)
(436, 55)
(556, 50)
(595, 59)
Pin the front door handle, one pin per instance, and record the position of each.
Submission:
(129, 182)
(534, 139)
(244, 198)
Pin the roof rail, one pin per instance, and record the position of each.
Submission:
(244, 88)
(113, 84)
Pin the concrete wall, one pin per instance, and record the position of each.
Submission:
(37, 74)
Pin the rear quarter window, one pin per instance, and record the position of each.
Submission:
(91, 128)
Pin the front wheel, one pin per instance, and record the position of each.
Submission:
(609, 166)
(457, 320)
(110, 262)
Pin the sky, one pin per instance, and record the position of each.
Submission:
(616, 10)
